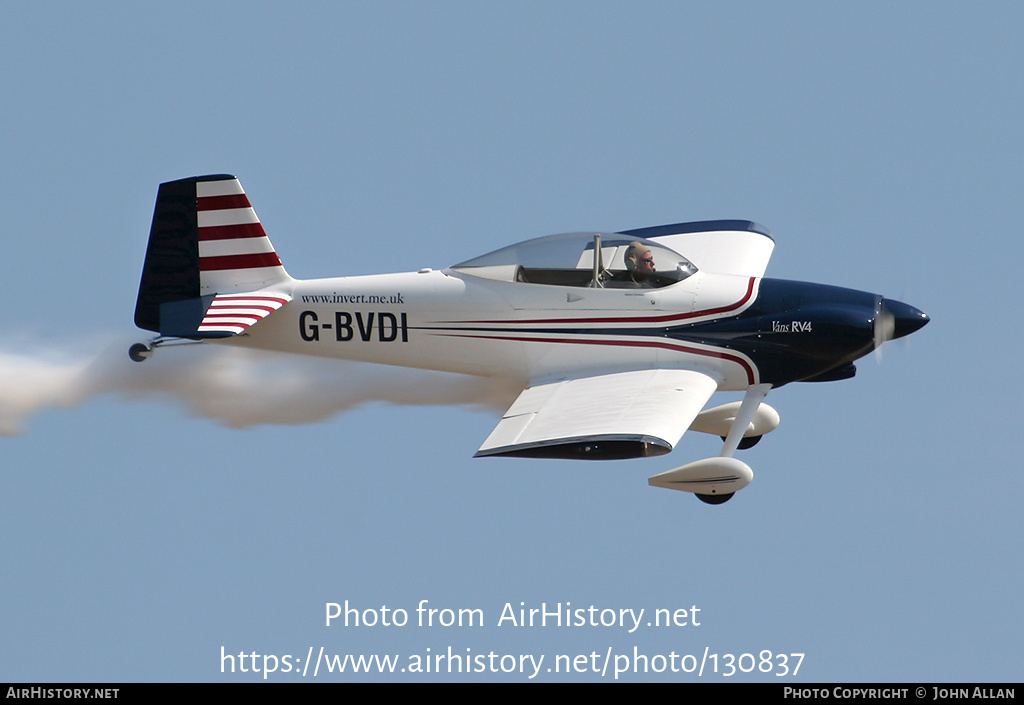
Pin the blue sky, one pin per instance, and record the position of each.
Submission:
(141, 532)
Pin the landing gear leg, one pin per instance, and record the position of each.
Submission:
(755, 395)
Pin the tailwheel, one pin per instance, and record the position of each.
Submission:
(139, 352)
(715, 498)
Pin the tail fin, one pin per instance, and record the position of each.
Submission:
(205, 241)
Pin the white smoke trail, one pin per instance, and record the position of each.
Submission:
(238, 387)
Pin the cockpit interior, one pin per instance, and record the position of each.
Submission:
(621, 262)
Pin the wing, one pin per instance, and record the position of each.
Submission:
(605, 417)
(726, 246)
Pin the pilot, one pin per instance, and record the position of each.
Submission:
(640, 264)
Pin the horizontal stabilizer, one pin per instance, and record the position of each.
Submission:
(217, 316)
(233, 313)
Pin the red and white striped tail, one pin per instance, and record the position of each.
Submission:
(235, 254)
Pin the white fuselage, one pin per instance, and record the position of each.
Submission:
(457, 322)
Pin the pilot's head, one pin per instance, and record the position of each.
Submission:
(639, 259)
